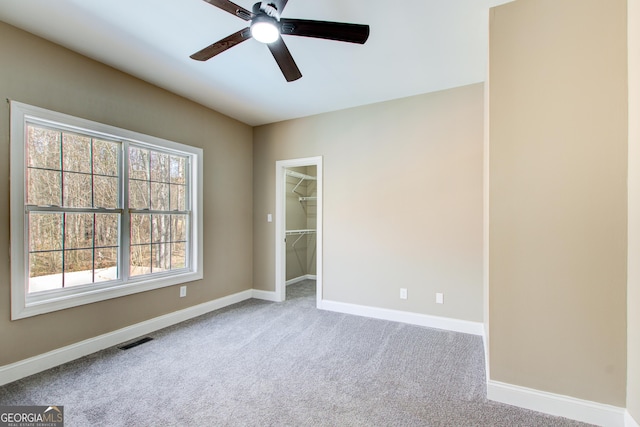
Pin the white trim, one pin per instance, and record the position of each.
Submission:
(265, 295)
(280, 248)
(555, 404)
(633, 204)
(485, 217)
(629, 421)
(301, 279)
(446, 323)
(272, 295)
(42, 362)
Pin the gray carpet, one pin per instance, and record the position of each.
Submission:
(265, 364)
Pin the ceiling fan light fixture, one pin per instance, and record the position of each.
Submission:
(265, 31)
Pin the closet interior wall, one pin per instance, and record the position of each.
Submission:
(301, 216)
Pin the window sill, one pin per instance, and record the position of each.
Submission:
(34, 306)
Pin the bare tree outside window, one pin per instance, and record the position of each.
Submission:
(68, 175)
(157, 202)
(75, 209)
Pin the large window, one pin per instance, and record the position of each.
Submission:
(98, 212)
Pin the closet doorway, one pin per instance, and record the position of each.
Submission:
(298, 223)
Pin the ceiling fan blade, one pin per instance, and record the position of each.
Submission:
(284, 59)
(340, 31)
(222, 45)
(232, 8)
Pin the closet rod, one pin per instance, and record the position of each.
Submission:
(300, 175)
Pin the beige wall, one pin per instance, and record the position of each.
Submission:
(633, 291)
(40, 73)
(402, 200)
(558, 197)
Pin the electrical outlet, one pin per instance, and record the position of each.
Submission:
(439, 298)
(269, 218)
(403, 293)
(183, 291)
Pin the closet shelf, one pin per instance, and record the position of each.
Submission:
(301, 234)
(307, 231)
(301, 175)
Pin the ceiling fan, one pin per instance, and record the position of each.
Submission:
(267, 26)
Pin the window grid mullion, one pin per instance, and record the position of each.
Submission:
(151, 215)
(157, 212)
(150, 239)
(93, 249)
(125, 219)
(188, 262)
(64, 215)
(93, 228)
(170, 243)
(64, 238)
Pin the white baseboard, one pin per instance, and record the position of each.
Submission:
(629, 421)
(42, 362)
(449, 324)
(556, 404)
(300, 279)
(265, 295)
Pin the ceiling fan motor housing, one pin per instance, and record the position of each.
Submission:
(268, 9)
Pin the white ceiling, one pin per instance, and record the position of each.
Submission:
(415, 46)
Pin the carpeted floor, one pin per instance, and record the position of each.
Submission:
(265, 364)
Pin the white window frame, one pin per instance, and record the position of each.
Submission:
(24, 305)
